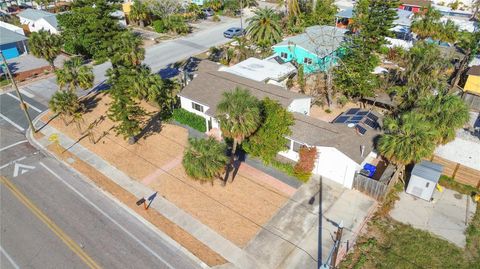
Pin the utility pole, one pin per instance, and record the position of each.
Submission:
(338, 240)
(241, 11)
(22, 103)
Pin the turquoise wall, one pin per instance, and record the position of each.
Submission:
(298, 54)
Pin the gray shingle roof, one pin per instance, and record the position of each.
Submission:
(208, 86)
(52, 20)
(34, 14)
(315, 132)
(8, 36)
(320, 40)
(428, 170)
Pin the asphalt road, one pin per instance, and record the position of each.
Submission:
(50, 217)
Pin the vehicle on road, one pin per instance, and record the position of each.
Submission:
(233, 32)
(208, 12)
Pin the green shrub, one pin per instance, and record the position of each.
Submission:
(384, 50)
(342, 100)
(216, 18)
(173, 23)
(188, 118)
(328, 110)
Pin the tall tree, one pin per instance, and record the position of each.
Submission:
(74, 75)
(126, 50)
(425, 72)
(270, 139)
(408, 138)
(469, 43)
(45, 45)
(324, 13)
(264, 27)
(428, 25)
(139, 13)
(239, 116)
(89, 28)
(65, 103)
(204, 159)
(447, 112)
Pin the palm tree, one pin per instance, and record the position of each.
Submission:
(204, 159)
(45, 45)
(469, 43)
(408, 138)
(427, 24)
(239, 116)
(249, 3)
(139, 13)
(264, 27)
(65, 103)
(127, 51)
(74, 75)
(447, 112)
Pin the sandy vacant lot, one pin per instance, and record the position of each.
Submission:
(236, 211)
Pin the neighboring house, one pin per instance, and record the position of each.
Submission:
(12, 44)
(12, 27)
(36, 20)
(205, 91)
(472, 84)
(198, 2)
(414, 6)
(271, 70)
(461, 18)
(342, 148)
(318, 49)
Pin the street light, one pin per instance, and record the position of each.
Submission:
(22, 103)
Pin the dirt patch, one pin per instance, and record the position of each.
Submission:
(176, 233)
(236, 211)
(322, 114)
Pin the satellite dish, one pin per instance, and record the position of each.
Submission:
(351, 125)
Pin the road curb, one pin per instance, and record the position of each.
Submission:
(33, 141)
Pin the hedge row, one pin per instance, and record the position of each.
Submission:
(188, 118)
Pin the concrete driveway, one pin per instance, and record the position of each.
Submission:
(445, 217)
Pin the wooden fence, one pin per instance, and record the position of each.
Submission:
(377, 189)
(458, 172)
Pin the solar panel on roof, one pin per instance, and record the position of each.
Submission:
(360, 129)
(362, 113)
(352, 111)
(372, 116)
(370, 123)
(359, 118)
(341, 119)
(352, 121)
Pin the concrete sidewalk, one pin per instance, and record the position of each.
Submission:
(233, 254)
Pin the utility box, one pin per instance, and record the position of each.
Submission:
(424, 179)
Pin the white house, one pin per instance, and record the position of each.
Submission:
(37, 20)
(341, 148)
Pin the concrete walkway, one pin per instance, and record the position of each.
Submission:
(235, 255)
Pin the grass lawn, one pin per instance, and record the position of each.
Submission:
(391, 244)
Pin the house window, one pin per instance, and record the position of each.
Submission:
(407, 8)
(296, 146)
(197, 107)
(284, 55)
(307, 60)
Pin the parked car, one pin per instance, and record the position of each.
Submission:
(233, 32)
(208, 12)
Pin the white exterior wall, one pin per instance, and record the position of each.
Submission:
(38, 25)
(300, 106)
(186, 104)
(417, 187)
(336, 166)
(331, 164)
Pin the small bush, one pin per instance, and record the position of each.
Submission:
(304, 167)
(216, 18)
(384, 50)
(328, 110)
(188, 118)
(173, 23)
(342, 100)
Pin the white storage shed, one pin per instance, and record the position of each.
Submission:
(424, 179)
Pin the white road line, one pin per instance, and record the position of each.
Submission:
(29, 105)
(14, 161)
(27, 94)
(9, 258)
(107, 216)
(13, 145)
(12, 123)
